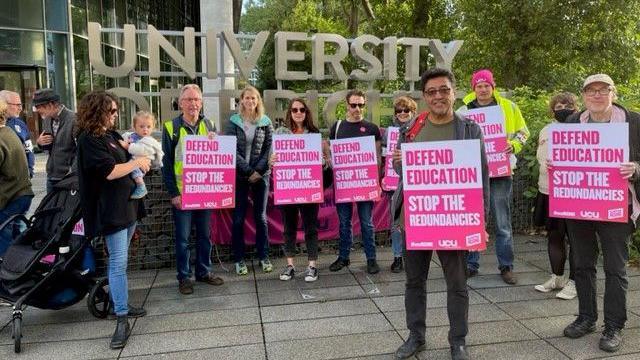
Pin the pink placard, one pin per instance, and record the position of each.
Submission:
(391, 178)
(584, 180)
(209, 172)
(355, 169)
(491, 121)
(297, 172)
(443, 202)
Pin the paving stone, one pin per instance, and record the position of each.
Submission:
(494, 281)
(311, 295)
(76, 313)
(345, 346)
(438, 316)
(200, 290)
(522, 350)
(197, 320)
(316, 310)
(514, 293)
(481, 333)
(325, 280)
(58, 332)
(63, 350)
(540, 308)
(149, 344)
(242, 352)
(186, 304)
(434, 300)
(327, 327)
(587, 346)
(549, 327)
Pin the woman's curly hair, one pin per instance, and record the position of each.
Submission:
(94, 110)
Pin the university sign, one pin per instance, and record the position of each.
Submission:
(327, 53)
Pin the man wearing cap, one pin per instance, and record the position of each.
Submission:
(58, 135)
(599, 94)
(485, 94)
(18, 126)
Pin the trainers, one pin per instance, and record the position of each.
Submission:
(339, 264)
(311, 274)
(211, 280)
(185, 287)
(266, 265)
(287, 273)
(508, 277)
(579, 328)
(555, 282)
(241, 268)
(397, 266)
(139, 192)
(372, 266)
(611, 339)
(568, 292)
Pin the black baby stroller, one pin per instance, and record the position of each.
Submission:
(51, 265)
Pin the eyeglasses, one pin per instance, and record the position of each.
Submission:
(192, 99)
(593, 92)
(406, 111)
(296, 110)
(443, 91)
(357, 105)
(15, 104)
(113, 111)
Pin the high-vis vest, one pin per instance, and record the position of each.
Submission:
(204, 126)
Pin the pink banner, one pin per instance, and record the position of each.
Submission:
(328, 223)
(391, 178)
(209, 172)
(443, 202)
(491, 121)
(355, 169)
(297, 172)
(585, 181)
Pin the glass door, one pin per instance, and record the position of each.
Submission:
(24, 81)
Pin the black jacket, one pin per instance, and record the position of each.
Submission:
(62, 152)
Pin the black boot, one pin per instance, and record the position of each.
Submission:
(120, 336)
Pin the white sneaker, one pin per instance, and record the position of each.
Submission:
(554, 283)
(568, 292)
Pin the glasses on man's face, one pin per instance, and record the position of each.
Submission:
(192, 99)
(300, 110)
(406, 111)
(113, 111)
(443, 91)
(357, 105)
(15, 104)
(594, 92)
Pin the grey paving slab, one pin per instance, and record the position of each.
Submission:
(186, 304)
(514, 293)
(438, 316)
(316, 310)
(533, 255)
(540, 308)
(58, 332)
(481, 333)
(553, 326)
(587, 346)
(326, 279)
(631, 356)
(327, 327)
(76, 313)
(345, 346)
(242, 352)
(197, 320)
(311, 295)
(63, 350)
(434, 300)
(200, 290)
(149, 344)
(494, 280)
(521, 350)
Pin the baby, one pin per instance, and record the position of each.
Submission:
(141, 143)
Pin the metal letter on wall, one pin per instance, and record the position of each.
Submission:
(212, 54)
(226, 96)
(284, 55)
(319, 58)
(95, 52)
(166, 104)
(246, 65)
(186, 62)
(390, 51)
(270, 102)
(329, 109)
(444, 53)
(412, 60)
(137, 98)
(374, 66)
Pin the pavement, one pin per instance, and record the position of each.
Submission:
(344, 315)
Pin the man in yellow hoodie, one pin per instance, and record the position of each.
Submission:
(485, 94)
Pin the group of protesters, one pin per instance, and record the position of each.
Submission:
(111, 169)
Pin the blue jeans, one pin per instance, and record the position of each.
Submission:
(260, 192)
(118, 246)
(137, 173)
(19, 205)
(183, 220)
(396, 242)
(500, 207)
(365, 211)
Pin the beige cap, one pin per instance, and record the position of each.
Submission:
(603, 78)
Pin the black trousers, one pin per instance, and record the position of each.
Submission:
(309, 213)
(454, 264)
(614, 241)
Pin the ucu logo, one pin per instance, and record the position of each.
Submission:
(590, 214)
(448, 243)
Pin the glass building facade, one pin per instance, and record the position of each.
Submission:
(44, 43)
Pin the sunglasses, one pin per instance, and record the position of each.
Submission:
(406, 111)
(443, 91)
(353, 106)
(296, 110)
(113, 111)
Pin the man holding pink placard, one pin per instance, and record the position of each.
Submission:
(355, 169)
(614, 234)
(440, 124)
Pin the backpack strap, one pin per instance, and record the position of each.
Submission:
(335, 136)
(177, 124)
(421, 120)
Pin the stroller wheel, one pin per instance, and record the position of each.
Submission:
(17, 333)
(98, 299)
